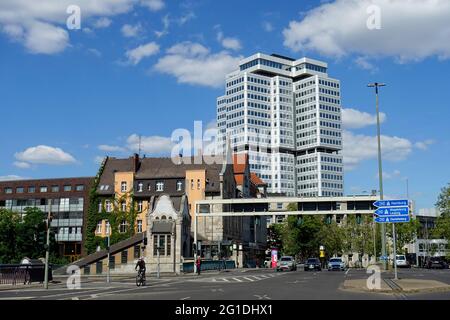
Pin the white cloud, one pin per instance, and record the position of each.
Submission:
(354, 119)
(166, 24)
(41, 28)
(135, 55)
(108, 148)
(423, 145)
(364, 63)
(11, 177)
(102, 23)
(94, 52)
(186, 17)
(227, 42)
(45, 155)
(194, 64)
(267, 26)
(411, 30)
(153, 5)
(150, 144)
(22, 165)
(130, 31)
(358, 147)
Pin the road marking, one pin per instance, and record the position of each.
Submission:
(264, 276)
(246, 278)
(75, 298)
(225, 279)
(257, 278)
(185, 298)
(238, 280)
(346, 272)
(262, 297)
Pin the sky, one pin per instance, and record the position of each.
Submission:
(72, 93)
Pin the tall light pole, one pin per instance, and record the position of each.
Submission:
(376, 85)
(47, 244)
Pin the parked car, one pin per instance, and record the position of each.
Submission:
(312, 264)
(436, 263)
(401, 261)
(336, 264)
(287, 263)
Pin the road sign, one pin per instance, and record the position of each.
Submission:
(392, 211)
(391, 203)
(392, 219)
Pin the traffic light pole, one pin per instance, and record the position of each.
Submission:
(47, 250)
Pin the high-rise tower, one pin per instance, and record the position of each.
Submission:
(286, 115)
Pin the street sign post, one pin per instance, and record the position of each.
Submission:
(392, 211)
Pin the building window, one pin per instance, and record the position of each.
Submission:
(123, 226)
(139, 226)
(79, 187)
(198, 184)
(155, 245)
(140, 206)
(168, 245)
(140, 187)
(160, 186)
(99, 227)
(108, 205)
(55, 189)
(8, 190)
(179, 185)
(124, 206)
(123, 186)
(137, 251)
(108, 226)
(100, 207)
(124, 257)
(149, 187)
(19, 190)
(192, 184)
(43, 189)
(67, 188)
(31, 189)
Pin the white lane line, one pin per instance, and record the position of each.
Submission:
(75, 298)
(257, 278)
(225, 279)
(238, 280)
(346, 272)
(246, 278)
(264, 276)
(185, 298)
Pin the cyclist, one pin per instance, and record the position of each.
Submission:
(141, 264)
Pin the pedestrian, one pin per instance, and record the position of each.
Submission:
(198, 263)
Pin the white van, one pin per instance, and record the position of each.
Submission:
(401, 261)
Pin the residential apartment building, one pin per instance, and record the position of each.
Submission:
(66, 198)
(286, 115)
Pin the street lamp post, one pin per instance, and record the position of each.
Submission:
(376, 85)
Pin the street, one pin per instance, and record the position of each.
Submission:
(251, 284)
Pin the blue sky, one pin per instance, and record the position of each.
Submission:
(147, 67)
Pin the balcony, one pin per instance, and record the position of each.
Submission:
(66, 223)
(76, 237)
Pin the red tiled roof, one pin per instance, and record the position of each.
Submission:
(239, 179)
(256, 180)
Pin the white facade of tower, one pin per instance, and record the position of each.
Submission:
(286, 115)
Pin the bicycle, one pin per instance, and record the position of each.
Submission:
(140, 278)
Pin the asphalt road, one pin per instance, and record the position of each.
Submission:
(262, 284)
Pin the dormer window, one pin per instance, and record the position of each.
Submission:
(140, 187)
(123, 186)
(160, 186)
(179, 185)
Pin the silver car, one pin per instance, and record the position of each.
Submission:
(286, 263)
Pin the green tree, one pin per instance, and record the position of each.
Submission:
(9, 222)
(332, 237)
(442, 229)
(300, 236)
(405, 233)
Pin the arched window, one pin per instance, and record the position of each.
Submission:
(163, 218)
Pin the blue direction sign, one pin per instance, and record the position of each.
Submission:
(392, 211)
(391, 203)
(392, 219)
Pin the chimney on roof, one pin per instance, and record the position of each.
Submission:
(135, 162)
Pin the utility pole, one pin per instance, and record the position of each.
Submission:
(47, 249)
(380, 170)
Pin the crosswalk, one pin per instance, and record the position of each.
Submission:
(238, 279)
